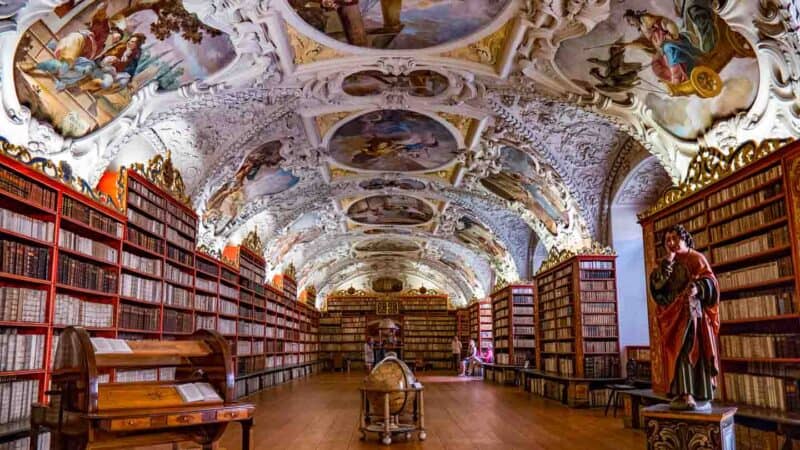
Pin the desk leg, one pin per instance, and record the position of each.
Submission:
(247, 434)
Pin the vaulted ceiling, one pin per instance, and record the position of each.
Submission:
(435, 142)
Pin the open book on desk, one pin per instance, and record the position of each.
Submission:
(198, 392)
(106, 345)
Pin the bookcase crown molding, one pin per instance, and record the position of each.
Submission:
(711, 165)
(61, 172)
(160, 171)
(253, 243)
(556, 256)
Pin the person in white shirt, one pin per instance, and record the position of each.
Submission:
(456, 346)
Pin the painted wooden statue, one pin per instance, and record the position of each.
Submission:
(687, 294)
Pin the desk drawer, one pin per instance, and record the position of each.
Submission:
(232, 414)
(184, 419)
(136, 423)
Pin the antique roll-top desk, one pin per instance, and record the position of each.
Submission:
(90, 409)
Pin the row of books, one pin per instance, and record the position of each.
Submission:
(143, 289)
(185, 223)
(134, 317)
(601, 265)
(601, 366)
(149, 266)
(680, 216)
(723, 195)
(85, 275)
(22, 305)
(762, 391)
(228, 307)
(746, 202)
(761, 346)
(775, 238)
(16, 397)
(558, 347)
(226, 326)
(782, 267)
(25, 260)
(205, 322)
(599, 319)
(560, 366)
(43, 443)
(145, 223)
(86, 246)
(176, 238)
(31, 191)
(71, 310)
(180, 255)
(91, 217)
(596, 274)
(751, 438)
(599, 331)
(767, 214)
(598, 308)
(176, 296)
(769, 303)
(597, 286)
(206, 284)
(227, 291)
(177, 275)
(600, 347)
(144, 191)
(26, 225)
(21, 351)
(145, 205)
(146, 241)
(177, 321)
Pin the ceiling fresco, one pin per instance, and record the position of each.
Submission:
(429, 142)
(680, 58)
(393, 140)
(395, 24)
(79, 66)
(390, 210)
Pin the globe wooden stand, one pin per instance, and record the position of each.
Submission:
(386, 424)
(678, 430)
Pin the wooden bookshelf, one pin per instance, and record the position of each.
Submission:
(462, 327)
(639, 355)
(513, 324)
(427, 338)
(480, 324)
(746, 224)
(577, 330)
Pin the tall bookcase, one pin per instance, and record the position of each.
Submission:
(577, 328)
(428, 337)
(462, 325)
(480, 324)
(513, 319)
(746, 223)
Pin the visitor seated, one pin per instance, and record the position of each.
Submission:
(472, 360)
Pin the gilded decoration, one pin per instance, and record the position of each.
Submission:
(711, 165)
(326, 121)
(60, 172)
(161, 172)
(556, 256)
(290, 271)
(253, 242)
(208, 251)
(307, 50)
(485, 51)
(342, 173)
(229, 262)
(462, 123)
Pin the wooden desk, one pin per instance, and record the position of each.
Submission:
(86, 414)
(502, 373)
(574, 391)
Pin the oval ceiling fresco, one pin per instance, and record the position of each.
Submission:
(680, 58)
(393, 140)
(387, 245)
(398, 24)
(478, 237)
(419, 83)
(259, 174)
(516, 183)
(79, 67)
(390, 210)
(405, 184)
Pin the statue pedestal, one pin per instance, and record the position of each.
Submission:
(680, 430)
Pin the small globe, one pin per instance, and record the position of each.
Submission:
(391, 373)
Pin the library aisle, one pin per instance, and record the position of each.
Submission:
(321, 413)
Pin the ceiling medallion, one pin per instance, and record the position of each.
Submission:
(556, 256)
(711, 165)
(486, 51)
(61, 172)
(307, 50)
(160, 171)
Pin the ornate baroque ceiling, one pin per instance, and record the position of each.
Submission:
(433, 142)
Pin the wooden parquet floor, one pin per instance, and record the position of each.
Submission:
(321, 413)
